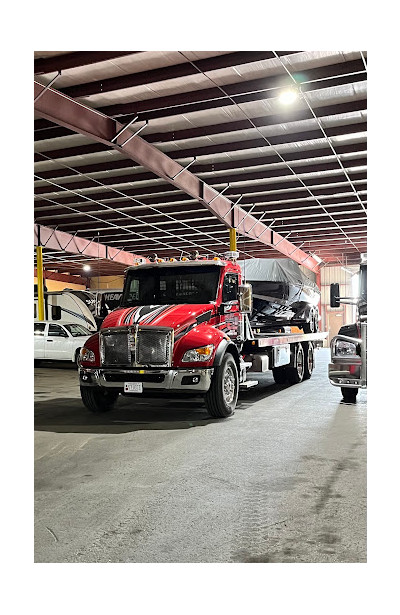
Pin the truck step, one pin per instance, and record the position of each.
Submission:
(247, 384)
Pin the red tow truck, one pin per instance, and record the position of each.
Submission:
(183, 326)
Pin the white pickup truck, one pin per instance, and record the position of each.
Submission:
(56, 342)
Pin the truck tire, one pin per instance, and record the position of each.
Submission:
(97, 399)
(308, 360)
(316, 321)
(295, 373)
(222, 396)
(279, 374)
(311, 326)
(349, 395)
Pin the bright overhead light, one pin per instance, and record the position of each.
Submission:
(288, 96)
(86, 267)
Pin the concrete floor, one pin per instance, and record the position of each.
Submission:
(283, 480)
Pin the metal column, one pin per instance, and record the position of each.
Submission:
(232, 240)
(39, 267)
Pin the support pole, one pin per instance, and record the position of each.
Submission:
(39, 267)
(232, 240)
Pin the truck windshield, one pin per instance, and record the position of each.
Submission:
(168, 285)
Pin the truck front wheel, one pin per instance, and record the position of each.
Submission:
(222, 396)
(349, 395)
(97, 399)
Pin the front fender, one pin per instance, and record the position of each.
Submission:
(199, 336)
(93, 344)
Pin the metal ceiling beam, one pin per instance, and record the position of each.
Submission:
(200, 167)
(264, 173)
(75, 59)
(59, 240)
(65, 111)
(231, 146)
(258, 89)
(175, 71)
(92, 148)
(221, 128)
(258, 193)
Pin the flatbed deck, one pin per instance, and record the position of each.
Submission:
(264, 340)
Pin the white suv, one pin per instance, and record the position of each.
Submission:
(56, 342)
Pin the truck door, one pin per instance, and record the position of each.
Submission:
(56, 344)
(230, 302)
(39, 337)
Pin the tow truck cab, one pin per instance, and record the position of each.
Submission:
(178, 322)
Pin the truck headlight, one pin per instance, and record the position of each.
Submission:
(198, 354)
(344, 349)
(87, 355)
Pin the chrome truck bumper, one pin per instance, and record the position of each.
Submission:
(349, 371)
(347, 374)
(195, 380)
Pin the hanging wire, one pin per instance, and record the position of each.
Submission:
(322, 129)
(112, 189)
(269, 144)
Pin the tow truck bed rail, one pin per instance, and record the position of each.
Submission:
(263, 340)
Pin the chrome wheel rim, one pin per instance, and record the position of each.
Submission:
(300, 362)
(229, 385)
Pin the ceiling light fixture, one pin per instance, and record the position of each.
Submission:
(86, 267)
(287, 97)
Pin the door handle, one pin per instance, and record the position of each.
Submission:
(49, 340)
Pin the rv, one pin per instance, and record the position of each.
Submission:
(65, 307)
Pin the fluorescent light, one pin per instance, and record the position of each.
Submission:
(287, 97)
(317, 258)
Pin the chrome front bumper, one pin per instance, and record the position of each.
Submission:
(350, 371)
(196, 380)
(343, 374)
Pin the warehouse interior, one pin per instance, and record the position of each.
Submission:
(146, 155)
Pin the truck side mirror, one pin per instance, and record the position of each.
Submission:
(335, 295)
(245, 298)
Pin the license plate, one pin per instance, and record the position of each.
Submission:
(133, 387)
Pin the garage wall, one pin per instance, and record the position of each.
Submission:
(334, 318)
(56, 285)
(107, 281)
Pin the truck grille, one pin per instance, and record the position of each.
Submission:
(153, 347)
(137, 346)
(115, 349)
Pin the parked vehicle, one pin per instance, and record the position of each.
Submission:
(348, 367)
(282, 294)
(183, 326)
(66, 307)
(99, 302)
(56, 342)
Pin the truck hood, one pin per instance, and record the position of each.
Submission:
(179, 317)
